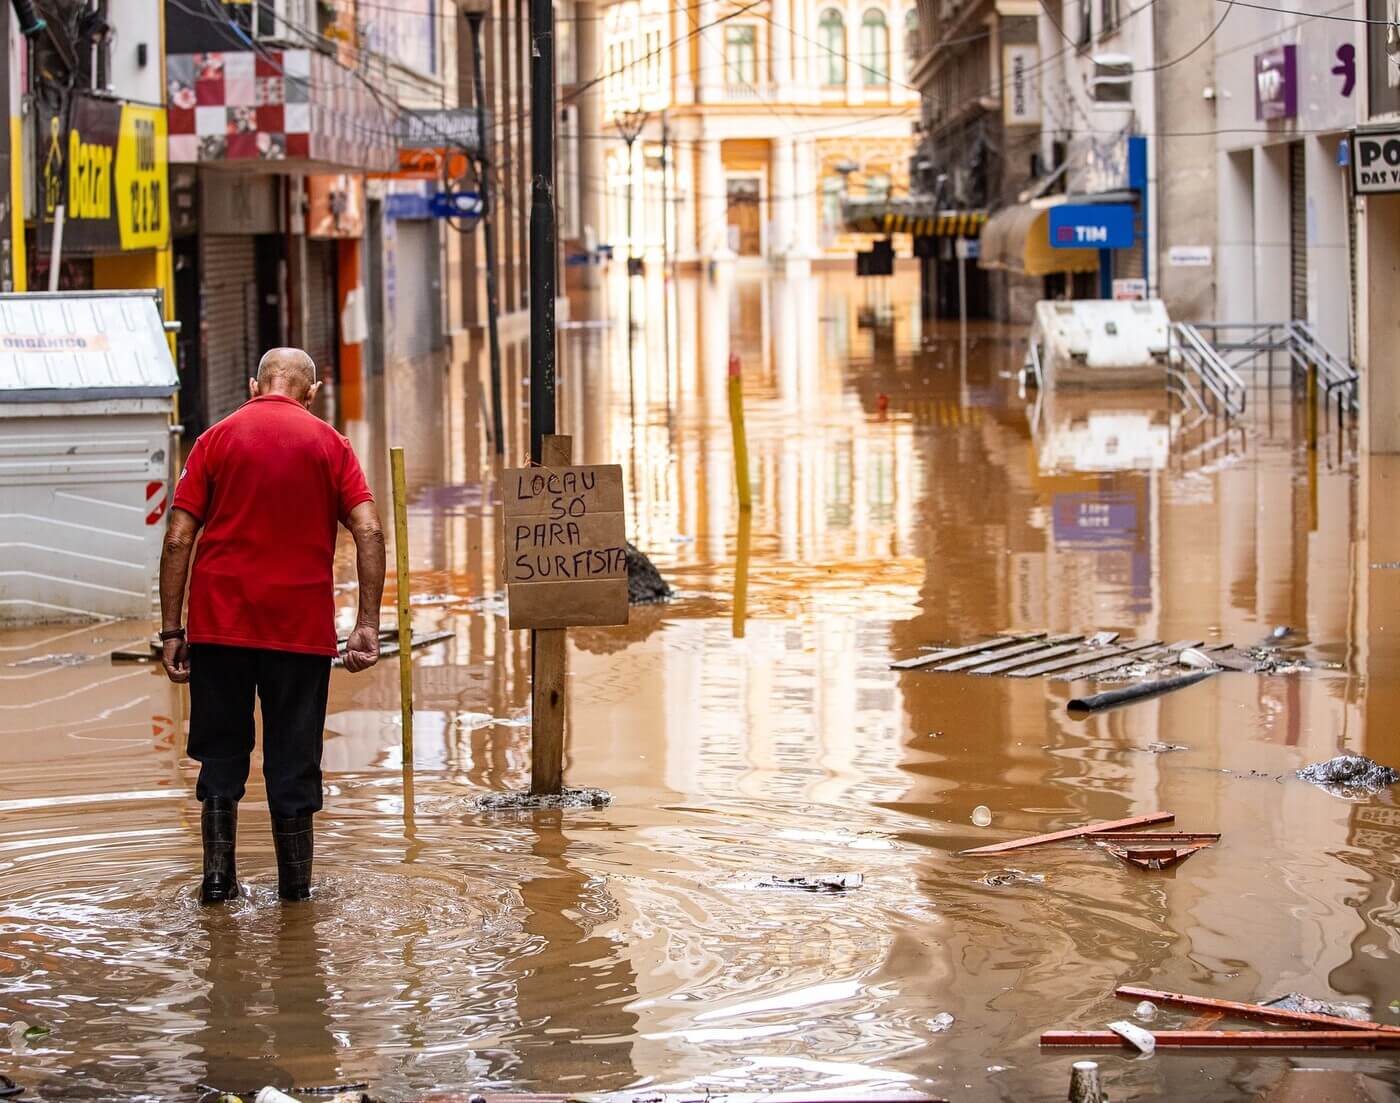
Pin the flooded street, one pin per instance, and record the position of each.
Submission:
(905, 493)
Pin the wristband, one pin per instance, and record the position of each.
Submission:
(172, 634)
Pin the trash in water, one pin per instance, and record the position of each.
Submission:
(1349, 774)
(644, 582)
(1084, 1083)
(1145, 1012)
(1166, 748)
(434, 599)
(1134, 1035)
(1009, 876)
(982, 816)
(522, 800)
(270, 1094)
(1296, 1001)
(826, 882)
(61, 658)
(1197, 659)
(940, 1022)
(9, 1088)
(1281, 631)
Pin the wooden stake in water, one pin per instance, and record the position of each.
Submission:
(405, 615)
(547, 663)
(741, 440)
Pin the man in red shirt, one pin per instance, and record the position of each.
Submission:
(265, 489)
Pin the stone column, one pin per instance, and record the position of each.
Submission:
(713, 230)
(709, 79)
(780, 201)
(780, 52)
(807, 197)
(855, 75)
(684, 152)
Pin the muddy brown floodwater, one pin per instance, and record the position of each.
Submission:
(753, 728)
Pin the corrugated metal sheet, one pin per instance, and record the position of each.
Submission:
(78, 346)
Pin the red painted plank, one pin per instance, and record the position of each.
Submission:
(1075, 833)
(1231, 1039)
(1250, 1010)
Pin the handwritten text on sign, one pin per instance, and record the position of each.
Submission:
(564, 535)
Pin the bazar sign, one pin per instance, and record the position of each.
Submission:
(109, 167)
(1375, 162)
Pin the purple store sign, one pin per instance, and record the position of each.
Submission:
(1276, 83)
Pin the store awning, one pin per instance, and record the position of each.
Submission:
(1017, 239)
(913, 214)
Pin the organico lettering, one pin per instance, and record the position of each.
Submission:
(89, 178)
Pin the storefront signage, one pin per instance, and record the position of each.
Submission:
(1276, 83)
(110, 169)
(1190, 256)
(447, 128)
(565, 546)
(1091, 226)
(1130, 290)
(408, 205)
(1020, 96)
(1375, 162)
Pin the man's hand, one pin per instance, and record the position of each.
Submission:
(361, 649)
(175, 657)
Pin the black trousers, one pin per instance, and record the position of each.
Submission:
(292, 689)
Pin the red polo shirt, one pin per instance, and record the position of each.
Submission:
(269, 484)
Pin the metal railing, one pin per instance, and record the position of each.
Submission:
(1256, 346)
(1218, 384)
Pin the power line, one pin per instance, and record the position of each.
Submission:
(1311, 14)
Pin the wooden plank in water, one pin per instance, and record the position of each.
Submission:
(1249, 1010)
(1075, 833)
(1005, 653)
(953, 652)
(1135, 653)
(1103, 658)
(1025, 660)
(1157, 836)
(1229, 1039)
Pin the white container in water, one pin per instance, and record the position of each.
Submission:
(270, 1094)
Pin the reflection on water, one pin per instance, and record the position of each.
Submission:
(753, 727)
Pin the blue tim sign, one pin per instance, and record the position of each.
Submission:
(1092, 226)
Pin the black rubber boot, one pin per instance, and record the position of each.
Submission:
(295, 844)
(219, 826)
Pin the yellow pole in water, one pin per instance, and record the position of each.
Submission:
(405, 617)
(741, 440)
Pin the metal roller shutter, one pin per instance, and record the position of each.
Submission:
(1298, 229)
(228, 272)
(415, 314)
(322, 308)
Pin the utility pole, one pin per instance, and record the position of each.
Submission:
(629, 124)
(542, 226)
(475, 11)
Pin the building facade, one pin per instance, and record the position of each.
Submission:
(752, 123)
(300, 216)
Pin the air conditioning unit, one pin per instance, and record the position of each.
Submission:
(293, 22)
(1112, 83)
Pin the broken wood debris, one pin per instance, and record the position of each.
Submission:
(1257, 1011)
(1229, 1039)
(1074, 657)
(1151, 856)
(1074, 833)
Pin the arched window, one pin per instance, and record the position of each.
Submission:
(874, 49)
(911, 39)
(831, 33)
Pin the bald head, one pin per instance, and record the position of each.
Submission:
(286, 371)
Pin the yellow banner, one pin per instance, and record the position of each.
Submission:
(143, 178)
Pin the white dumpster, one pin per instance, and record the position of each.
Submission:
(86, 386)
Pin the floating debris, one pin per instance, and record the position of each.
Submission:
(1145, 1012)
(1084, 1083)
(982, 816)
(1142, 1040)
(1076, 832)
(1349, 775)
(1009, 876)
(523, 800)
(1166, 748)
(644, 582)
(1197, 659)
(1151, 854)
(8, 1088)
(1296, 1001)
(435, 599)
(828, 882)
(940, 1022)
(61, 658)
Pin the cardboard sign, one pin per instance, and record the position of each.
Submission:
(563, 533)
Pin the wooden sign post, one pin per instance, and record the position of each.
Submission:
(563, 532)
